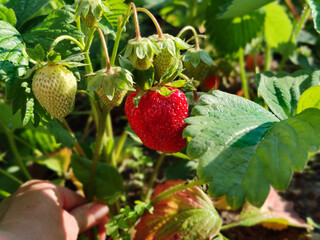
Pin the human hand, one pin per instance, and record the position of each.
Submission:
(41, 210)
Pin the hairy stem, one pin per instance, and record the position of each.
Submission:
(154, 20)
(120, 145)
(136, 20)
(154, 176)
(176, 189)
(195, 35)
(105, 48)
(244, 80)
(66, 37)
(87, 60)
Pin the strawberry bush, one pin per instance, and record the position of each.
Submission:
(224, 105)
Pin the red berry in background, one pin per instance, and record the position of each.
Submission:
(159, 120)
(250, 64)
(210, 82)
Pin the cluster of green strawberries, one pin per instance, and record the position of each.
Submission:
(155, 108)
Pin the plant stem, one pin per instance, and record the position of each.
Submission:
(244, 80)
(110, 136)
(231, 225)
(177, 189)
(121, 25)
(154, 176)
(195, 35)
(15, 151)
(120, 145)
(87, 128)
(268, 58)
(154, 20)
(294, 35)
(66, 37)
(136, 20)
(10, 176)
(96, 154)
(105, 48)
(293, 9)
(77, 146)
(87, 60)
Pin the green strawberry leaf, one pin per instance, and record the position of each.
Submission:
(7, 119)
(108, 185)
(277, 28)
(144, 79)
(309, 99)
(25, 9)
(58, 23)
(187, 214)
(117, 9)
(242, 148)
(61, 135)
(282, 91)
(8, 15)
(37, 54)
(13, 64)
(315, 10)
(237, 8)
(237, 32)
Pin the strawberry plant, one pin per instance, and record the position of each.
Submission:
(94, 102)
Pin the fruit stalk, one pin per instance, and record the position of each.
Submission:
(96, 154)
(154, 20)
(90, 37)
(66, 37)
(15, 152)
(177, 189)
(10, 176)
(244, 80)
(105, 49)
(120, 28)
(195, 35)
(154, 176)
(138, 35)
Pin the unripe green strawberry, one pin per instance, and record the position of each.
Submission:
(55, 88)
(197, 73)
(116, 100)
(162, 63)
(142, 64)
(89, 20)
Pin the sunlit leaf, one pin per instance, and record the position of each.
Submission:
(309, 99)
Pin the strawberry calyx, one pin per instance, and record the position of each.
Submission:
(195, 56)
(140, 52)
(90, 11)
(111, 82)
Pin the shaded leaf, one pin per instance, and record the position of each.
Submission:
(187, 214)
(59, 22)
(25, 9)
(237, 32)
(243, 148)
(108, 182)
(282, 91)
(237, 8)
(62, 136)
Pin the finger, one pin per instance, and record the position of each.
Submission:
(89, 215)
(70, 199)
(102, 228)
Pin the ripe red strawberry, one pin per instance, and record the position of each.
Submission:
(55, 88)
(210, 82)
(250, 62)
(159, 120)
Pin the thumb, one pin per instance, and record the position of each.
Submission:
(89, 215)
